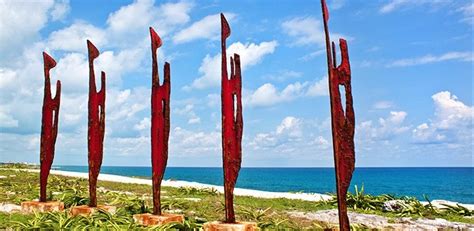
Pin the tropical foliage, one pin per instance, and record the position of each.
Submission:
(197, 205)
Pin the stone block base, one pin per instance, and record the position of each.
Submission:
(147, 219)
(238, 226)
(43, 207)
(85, 210)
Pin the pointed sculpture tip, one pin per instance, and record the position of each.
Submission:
(93, 52)
(224, 27)
(155, 39)
(325, 10)
(49, 62)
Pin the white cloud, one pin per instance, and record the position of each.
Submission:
(313, 54)
(307, 31)
(176, 13)
(250, 54)
(7, 121)
(188, 111)
(292, 137)
(131, 22)
(319, 88)
(289, 130)
(73, 38)
(194, 120)
(290, 126)
(60, 10)
(336, 4)
(452, 122)
(139, 14)
(268, 94)
(7, 78)
(382, 104)
(144, 124)
(393, 5)
(386, 128)
(458, 56)
(186, 142)
(206, 28)
(467, 12)
(19, 25)
(321, 141)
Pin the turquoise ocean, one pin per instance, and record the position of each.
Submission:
(455, 184)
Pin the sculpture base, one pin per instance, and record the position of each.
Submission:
(238, 226)
(42, 207)
(85, 210)
(148, 219)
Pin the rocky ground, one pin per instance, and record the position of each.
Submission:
(379, 222)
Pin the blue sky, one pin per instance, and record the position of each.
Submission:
(411, 67)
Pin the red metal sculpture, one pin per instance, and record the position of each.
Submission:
(232, 122)
(49, 125)
(96, 124)
(342, 121)
(160, 121)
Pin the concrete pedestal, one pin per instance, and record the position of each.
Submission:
(43, 207)
(85, 210)
(148, 219)
(238, 226)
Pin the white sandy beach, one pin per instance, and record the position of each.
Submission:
(220, 189)
(178, 183)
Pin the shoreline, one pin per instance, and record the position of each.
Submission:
(237, 191)
(180, 183)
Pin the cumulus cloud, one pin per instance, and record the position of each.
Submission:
(293, 136)
(452, 122)
(250, 55)
(60, 10)
(131, 22)
(206, 28)
(144, 124)
(186, 142)
(268, 94)
(386, 128)
(319, 88)
(307, 31)
(289, 129)
(188, 111)
(73, 38)
(19, 26)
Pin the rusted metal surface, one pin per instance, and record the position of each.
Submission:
(96, 124)
(232, 122)
(49, 124)
(342, 121)
(160, 121)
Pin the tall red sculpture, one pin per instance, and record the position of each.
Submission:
(96, 125)
(342, 121)
(160, 121)
(232, 122)
(160, 132)
(49, 125)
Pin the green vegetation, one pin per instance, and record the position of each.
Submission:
(198, 206)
